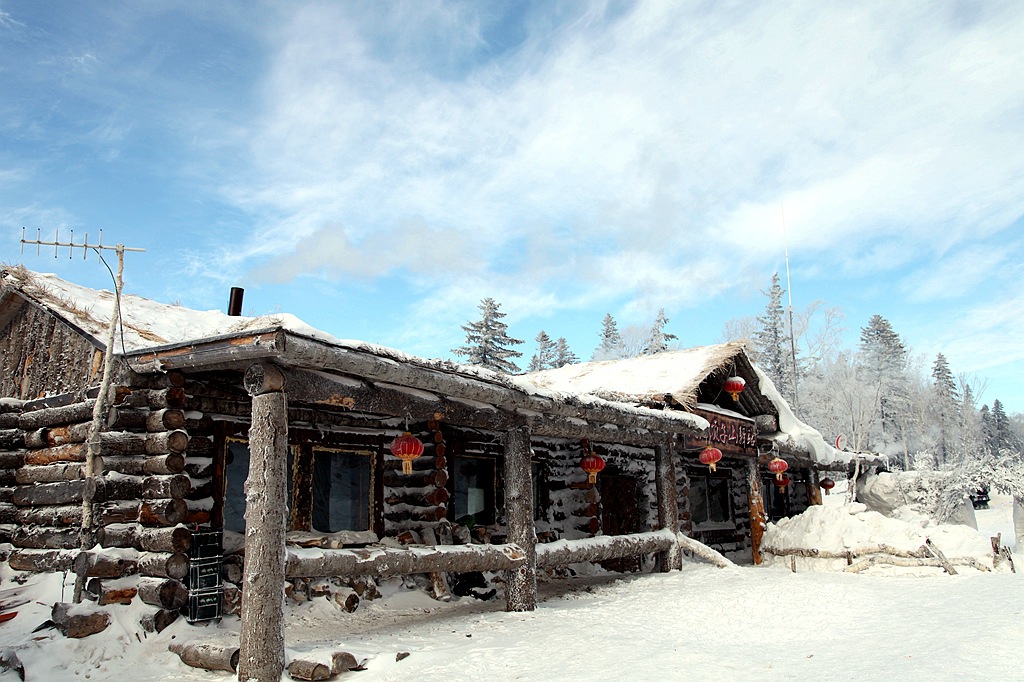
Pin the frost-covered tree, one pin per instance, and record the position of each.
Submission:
(487, 341)
(610, 347)
(883, 357)
(545, 355)
(658, 338)
(1002, 436)
(945, 410)
(771, 341)
(563, 354)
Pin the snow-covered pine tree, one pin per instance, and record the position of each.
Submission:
(883, 357)
(487, 341)
(611, 342)
(945, 410)
(545, 355)
(563, 354)
(1003, 437)
(659, 338)
(771, 342)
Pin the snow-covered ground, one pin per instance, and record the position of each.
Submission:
(701, 623)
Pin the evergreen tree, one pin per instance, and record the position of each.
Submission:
(487, 341)
(945, 412)
(1003, 437)
(771, 343)
(563, 354)
(883, 356)
(659, 338)
(986, 424)
(545, 355)
(611, 342)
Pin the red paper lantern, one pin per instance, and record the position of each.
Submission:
(407, 447)
(710, 456)
(777, 466)
(827, 484)
(593, 465)
(734, 386)
(782, 482)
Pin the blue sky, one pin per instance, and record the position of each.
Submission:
(378, 168)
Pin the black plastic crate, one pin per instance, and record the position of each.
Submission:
(206, 543)
(204, 574)
(205, 605)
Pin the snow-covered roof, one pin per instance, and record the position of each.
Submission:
(676, 373)
(680, 374)
(149, 325)
(146, 323)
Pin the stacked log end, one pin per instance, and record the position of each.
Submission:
(140, 494)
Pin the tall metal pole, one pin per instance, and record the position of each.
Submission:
(792, 332)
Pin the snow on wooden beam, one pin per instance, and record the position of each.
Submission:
(393, 561)
(603, 547)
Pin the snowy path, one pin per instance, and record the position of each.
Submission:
(701, 623)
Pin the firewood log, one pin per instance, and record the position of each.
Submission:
(299, 669)
(166, 593)
(81, 623)
(139, 465)
(208, 656)
(72, 452)
(56, 416)
(174, 539)
(49, 473)
(42, 560)
(169, 512)
(158, 620)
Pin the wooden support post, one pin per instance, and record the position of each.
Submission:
(668, 505)
(521, 582)
(757, 517)
(813, 489)
(261, 644)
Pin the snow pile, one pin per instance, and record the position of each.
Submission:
(822, 537)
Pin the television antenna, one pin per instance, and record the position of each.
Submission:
(87, 535)
(792, 332)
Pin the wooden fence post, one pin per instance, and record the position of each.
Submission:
(521, 582)
(261, 645)
(668, 505)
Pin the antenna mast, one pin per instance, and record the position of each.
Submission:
(789, 292)
(87, 535)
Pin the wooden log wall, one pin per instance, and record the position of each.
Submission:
(419, 500)
(140, 494)
(41, 355)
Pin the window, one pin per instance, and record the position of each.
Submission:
(236, 471)
(474, 486)
(342, 485)
(710, 500)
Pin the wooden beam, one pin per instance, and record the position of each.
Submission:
(670, 559)
(261, 643)
(521, 581)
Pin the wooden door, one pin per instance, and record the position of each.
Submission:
(620, 514)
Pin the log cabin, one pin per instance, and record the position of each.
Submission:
(280, 441)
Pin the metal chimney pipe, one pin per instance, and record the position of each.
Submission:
(235, 302)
